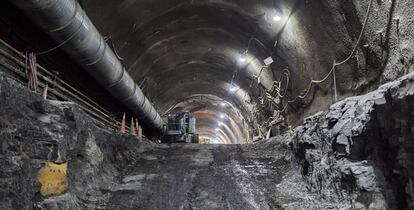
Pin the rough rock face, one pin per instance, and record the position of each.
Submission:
(384, 54)
(361, 149)
(32, 131)
(119, 172)
(356, 155)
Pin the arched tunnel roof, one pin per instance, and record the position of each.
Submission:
(282, 81)
(180, 51)
(183, 52)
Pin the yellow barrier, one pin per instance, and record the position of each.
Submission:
(52, 178)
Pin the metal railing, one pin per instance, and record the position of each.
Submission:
(14, 64)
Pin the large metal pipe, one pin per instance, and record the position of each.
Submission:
(67, 23)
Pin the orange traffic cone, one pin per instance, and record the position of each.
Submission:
(123, 124)
(132, 128)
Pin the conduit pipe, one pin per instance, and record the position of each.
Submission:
(67, 23)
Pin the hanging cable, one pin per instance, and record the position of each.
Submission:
(110, 41)
(286, 73)
(335, 64)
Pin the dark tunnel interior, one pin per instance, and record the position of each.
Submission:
(181, 56)
(247, 72)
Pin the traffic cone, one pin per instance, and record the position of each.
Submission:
(123, 124)
(132, 128)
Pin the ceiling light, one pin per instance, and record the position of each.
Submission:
(242, 59)
(222, 116)
(276, 18)
(222, 104)
(233, 89)
(268, 61)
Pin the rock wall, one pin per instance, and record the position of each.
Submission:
(112, 171)
(320, 32)
(356, 155)
(32, 132)
(361, 149)
(120, 172)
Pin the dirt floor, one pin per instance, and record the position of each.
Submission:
(349, 157)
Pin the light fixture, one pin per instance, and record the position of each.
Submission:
(268, 61)
(233, 89)
(220, 124)
(222, 104)
(222, 116)
(242, 58)
(276, 18)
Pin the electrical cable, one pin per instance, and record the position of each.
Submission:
(335, 64)
(287, 73)
(112, 45)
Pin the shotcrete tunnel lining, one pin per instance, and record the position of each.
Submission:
(235, 54)
(247, 46)
(208, 110)
(165, 31)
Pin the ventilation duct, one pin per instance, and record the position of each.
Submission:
(67, 23)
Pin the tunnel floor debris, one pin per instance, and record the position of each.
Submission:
(348, 157)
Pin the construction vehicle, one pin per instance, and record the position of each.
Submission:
(180, 128)
(204, 140)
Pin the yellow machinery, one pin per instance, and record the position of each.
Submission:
(204, 140)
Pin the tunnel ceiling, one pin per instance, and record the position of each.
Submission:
(187, 56)
(177, 50)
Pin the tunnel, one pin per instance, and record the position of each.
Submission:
(207, 104)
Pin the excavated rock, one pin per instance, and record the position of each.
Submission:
(361, 149)
(356, 155)
(112, 171)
